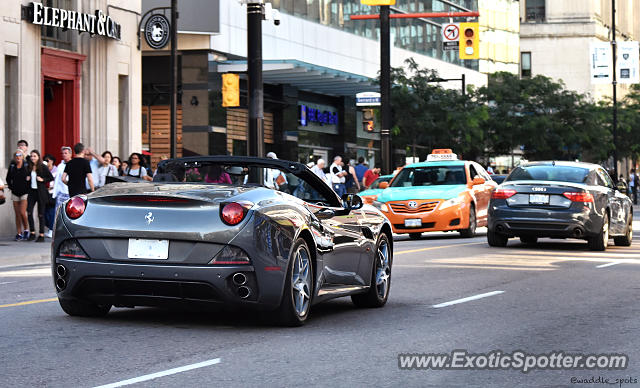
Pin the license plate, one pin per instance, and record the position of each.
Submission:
(148, 249)
(539, 199)
(413, 223)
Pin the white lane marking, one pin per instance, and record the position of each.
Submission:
(1, 283)
(162, 374)
(467, 299)
(607, 265)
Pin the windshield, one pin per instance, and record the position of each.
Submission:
(224, 173)
(430, 176)
(549, 173)
(377, 182)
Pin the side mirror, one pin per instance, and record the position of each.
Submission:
(352, 201)
(622, 187)
(478, 181)
(383, 185)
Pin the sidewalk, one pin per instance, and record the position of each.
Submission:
(14, 253)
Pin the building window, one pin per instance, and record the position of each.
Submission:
(53, 36)
(535, 10)
(525, 65)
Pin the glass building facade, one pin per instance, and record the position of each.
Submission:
(422, 36)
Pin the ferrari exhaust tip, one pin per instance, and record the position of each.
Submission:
(61, 270)
(239, 279)
(244, 292)
(61, 284)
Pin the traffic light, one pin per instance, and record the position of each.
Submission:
(378, 2)
(230, 90)
(469, 41)
(368, 120)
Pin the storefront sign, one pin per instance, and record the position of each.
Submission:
(157, 31)
(313, 115)
(368, 99)
(96, 24)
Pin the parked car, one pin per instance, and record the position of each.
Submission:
(239, 243)
(560, 200)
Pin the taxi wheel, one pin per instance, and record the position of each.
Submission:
(471, 230)
(415, 236)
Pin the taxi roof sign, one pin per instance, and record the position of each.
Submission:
(378, 2)
(441, 154)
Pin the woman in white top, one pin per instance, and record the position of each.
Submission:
(106, 169)
(135, 168)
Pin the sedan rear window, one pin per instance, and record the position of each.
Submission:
(549, 173)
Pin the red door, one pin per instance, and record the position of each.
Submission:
(61, 73)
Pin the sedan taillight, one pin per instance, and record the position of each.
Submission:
(579, 197)
(76, 206)
(503, 193)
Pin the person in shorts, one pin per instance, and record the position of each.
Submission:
(17, 183)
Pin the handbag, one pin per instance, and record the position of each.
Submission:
(280, 180)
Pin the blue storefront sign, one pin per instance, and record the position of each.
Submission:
(310, 115)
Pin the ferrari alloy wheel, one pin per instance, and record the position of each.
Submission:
(471, 230)
(298, 292)
(601, 240)
(378, 292)
(625, 241)
(78, 308)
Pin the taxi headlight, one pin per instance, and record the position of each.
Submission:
(381, 205)
(451, 202)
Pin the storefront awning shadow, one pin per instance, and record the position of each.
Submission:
(304, 76)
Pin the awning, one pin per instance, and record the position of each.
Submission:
(304, 76)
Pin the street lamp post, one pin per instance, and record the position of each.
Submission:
(615, 92)
(385, 88)
(174, 79)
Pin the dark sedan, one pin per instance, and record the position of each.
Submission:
(560, 200)
(221, 231)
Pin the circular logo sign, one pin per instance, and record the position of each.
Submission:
(413, 204)
(157, 31)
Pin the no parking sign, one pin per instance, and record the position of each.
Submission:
(450, 36)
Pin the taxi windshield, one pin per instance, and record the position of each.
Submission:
(430, 176)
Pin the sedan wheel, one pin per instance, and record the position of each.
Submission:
(378, 292)
(471, 230)
(625, 241)
(298, 292)
(601, 240)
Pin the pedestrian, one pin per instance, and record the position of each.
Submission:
(77, 173)
(633, 185)
(118, 164)
(106, 169)
(23, 146)
(60, 190)
(275, 178)
(371, 176)
(351, 183)
(123, 167)
(361, 169)
(318, 169)
(38, 178)
(135, 167)
(489, 169)
(17, 182)
(215, 174)
(50, 206)
(338, 175)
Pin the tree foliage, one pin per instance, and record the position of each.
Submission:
(538, 115)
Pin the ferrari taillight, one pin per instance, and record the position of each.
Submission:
(579, 196)
(503, 193)
(76, 206)
(234, 212)
(71, 249)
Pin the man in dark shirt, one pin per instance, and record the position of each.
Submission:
(77, 172)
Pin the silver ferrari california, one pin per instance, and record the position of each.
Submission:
(221, 231)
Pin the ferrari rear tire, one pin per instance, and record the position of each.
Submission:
(496, 239)
(378, 292)
(601, 240)
(625, 241)
(471, 230)
(415, 236)
(298, 289)
(529, 239)
(78, 308)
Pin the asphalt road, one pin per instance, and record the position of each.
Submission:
(556, 296)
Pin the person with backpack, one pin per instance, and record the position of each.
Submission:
(38, 179)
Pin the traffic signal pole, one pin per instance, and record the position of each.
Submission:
(615, 92)
(174, 80)
(256, 91)
(385, 88)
